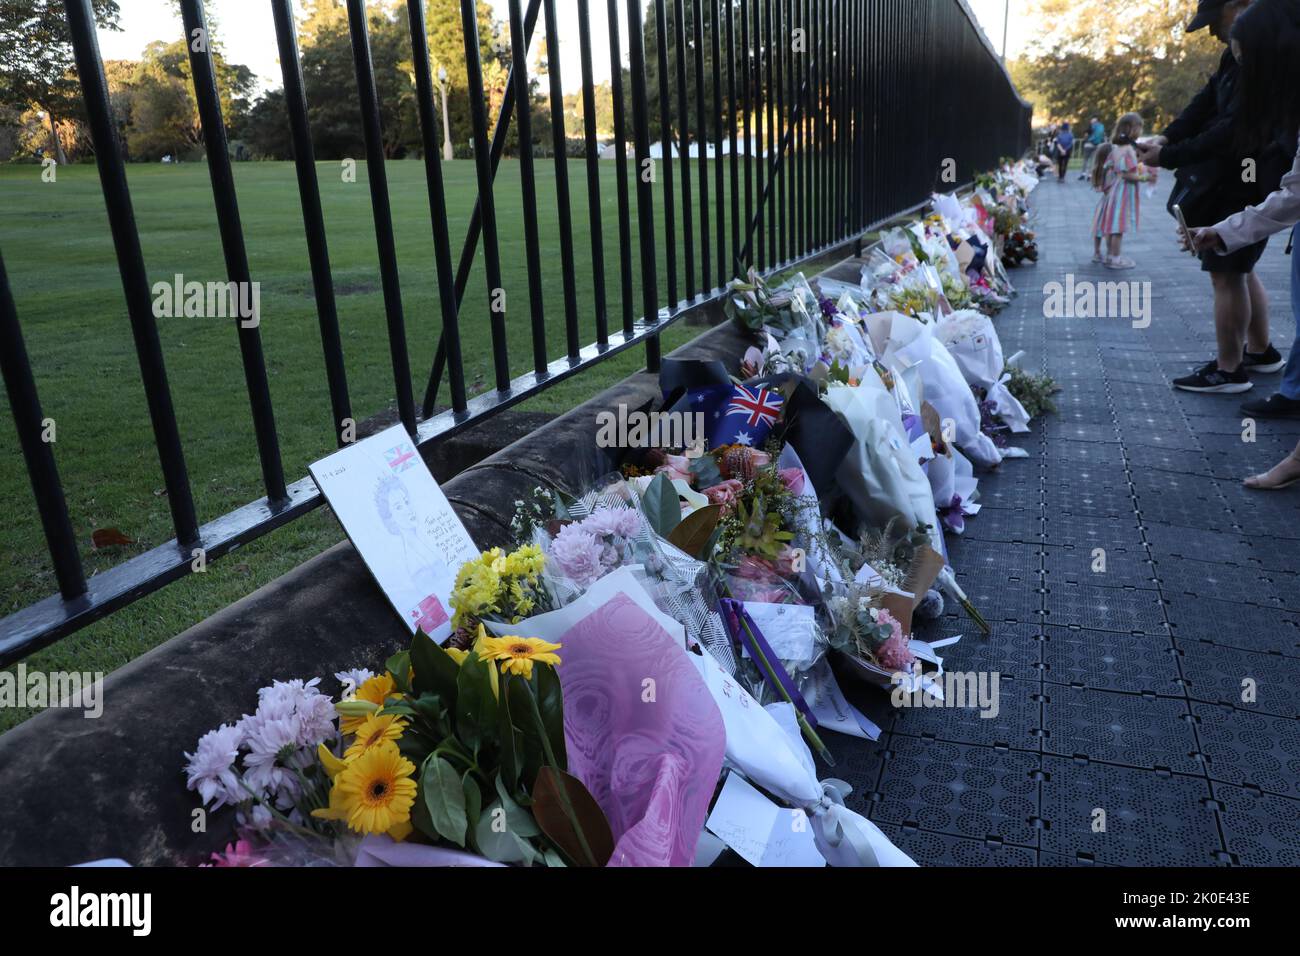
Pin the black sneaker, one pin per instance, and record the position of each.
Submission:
(1277, 406)
(1211, 378)
(1263, 363)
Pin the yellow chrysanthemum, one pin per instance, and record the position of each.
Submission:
(526, 562)
(375, 730)
(517, 654)
(376, 690)
(478, 585)
(376, 790)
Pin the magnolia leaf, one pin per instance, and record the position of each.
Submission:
(696, 529)
(444, 798)
(569, 815)
(662, 508)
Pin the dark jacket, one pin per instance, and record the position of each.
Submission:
(1203, 132)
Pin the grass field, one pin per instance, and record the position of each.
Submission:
(59, 257)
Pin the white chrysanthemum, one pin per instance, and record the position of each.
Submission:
(211, 768)
(353, 679)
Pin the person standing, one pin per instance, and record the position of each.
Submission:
(1096, 136)
(1201, 145)
(1266, 38)
(1064, 147)
(1118, 179)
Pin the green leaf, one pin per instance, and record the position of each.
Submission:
(661, 505)
(550, 703)
(528, 738)
(511, 751)
(705, 470)
(498, 843)
(476, 705)
(399, 665)
(435, 670)
(696, 529)
(444, 797)
(473, 800)
(569, 815)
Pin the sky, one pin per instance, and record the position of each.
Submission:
(249, 36)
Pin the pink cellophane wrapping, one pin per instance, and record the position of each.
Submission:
(649, 753)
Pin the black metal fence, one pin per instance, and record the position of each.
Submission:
(823, 118)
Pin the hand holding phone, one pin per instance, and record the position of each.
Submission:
(1183, 231)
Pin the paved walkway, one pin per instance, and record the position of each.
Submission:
(1121, 692)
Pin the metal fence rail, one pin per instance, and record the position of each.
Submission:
(824, 118)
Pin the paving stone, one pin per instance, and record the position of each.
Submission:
(1110, 661)
(1218, 674)
(1246, 748)
(1150, 819)
(1259, 829)
(1132, 729)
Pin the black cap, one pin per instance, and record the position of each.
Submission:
(1207, 11)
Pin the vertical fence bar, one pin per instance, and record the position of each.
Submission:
(486, 198)
(746, 104)
(719, 162)
(684, 147)
(450, 335)
(790, 162)
(738, 268)
(702, 123)
(759, 160)
(318, 255)
(130, 263)
(528, 185)
(778, 30)
(377, 176)
(594, 219)
(666, 145)
(37, 452)
(773, 211)
(563, 203)
(620, 151)
(198, 42)
(475, 228)
(645, 197)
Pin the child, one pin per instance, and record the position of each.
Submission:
(1117, 175)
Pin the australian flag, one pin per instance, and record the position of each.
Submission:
(745, 417)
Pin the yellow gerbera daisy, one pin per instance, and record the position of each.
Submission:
(376, 690)
(374, 731)
(517, 654)
(376, 790)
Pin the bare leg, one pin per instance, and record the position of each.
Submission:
(1283, 473)
(1231, 317)
(1257, 333)
(1115, 243)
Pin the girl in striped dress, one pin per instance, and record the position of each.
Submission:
(1118, 177)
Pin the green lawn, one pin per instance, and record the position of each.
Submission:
(59, 257)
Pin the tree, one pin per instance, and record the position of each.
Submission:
(37, 68)
(1105, 59)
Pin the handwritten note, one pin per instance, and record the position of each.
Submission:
(763, 833)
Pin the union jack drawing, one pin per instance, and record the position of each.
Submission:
(400, 458)
(759, 406)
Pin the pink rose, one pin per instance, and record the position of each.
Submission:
(676, 466)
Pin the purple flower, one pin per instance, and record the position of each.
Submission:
(577, 554)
